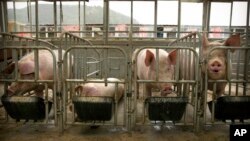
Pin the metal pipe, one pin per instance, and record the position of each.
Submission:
(30, 15)
(84, 18)
(61, 16)
(14, 6)
(55, 17)
(179, 19)
(155, 18)
(131, 26)
(37, 22)
(231, 16)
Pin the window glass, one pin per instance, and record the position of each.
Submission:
(191, 16)
(143, 14)
(219, 19)
(119, 18)
(239, 16)
(167, 19)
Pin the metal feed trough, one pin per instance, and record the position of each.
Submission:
(234, 105)
(18, 106)
(27, 108)
(94, 64)
(167, 108)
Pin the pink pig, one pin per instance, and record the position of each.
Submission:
(99, 89)
(26, 71)
(146, 69)
(217, 61)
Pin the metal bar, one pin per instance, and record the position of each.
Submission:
(61, 16)
(84, 17)
(106, 21)
(179, 18)
(157, 64)
(209, 15)
(131, 26)
(55, 17)
(231, 16)
(155, 18)
(79, 15)
(37, 22)
(36, 61)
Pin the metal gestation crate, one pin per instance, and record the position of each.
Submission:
(233, 105)
(22, 105)
(94, 64)
(167, 108)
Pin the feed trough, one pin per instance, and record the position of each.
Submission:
(27, 108)
(166, 108)
(231, 107)
(93, 108)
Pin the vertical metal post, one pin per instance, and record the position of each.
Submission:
(247, 52)
(30, 15)
(205, 15)
(36, 11)
(179, 18)
(131, 27)
(61, 16)
(208, 15)
(3, 16)
(106, 21)
(55, 18)
(155, 18)
(84, 18)
(231, 14)
(79, 15)
(14, 7)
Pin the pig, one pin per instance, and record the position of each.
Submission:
(26, 70)
(99, 89)
(216, 63)
(146, 69)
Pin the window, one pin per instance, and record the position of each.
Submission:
(239, 16)
(219, 19)
(119, 18)
(143, 14)
(191, 16)
(167, 18)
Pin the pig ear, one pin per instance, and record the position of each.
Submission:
(205, 42)
(173, 56)
(79, 89)
(233, 40)
(9, 69)
(149, 57)
(26, 67)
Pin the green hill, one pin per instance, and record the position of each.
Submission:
(70, 15)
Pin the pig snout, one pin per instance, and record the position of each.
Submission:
(166, 90)
(215, 67)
